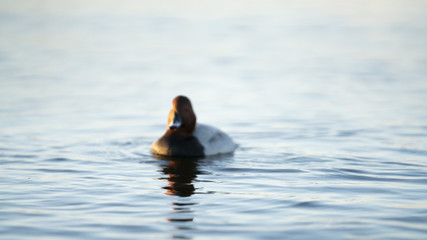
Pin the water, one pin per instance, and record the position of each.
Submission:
(326, 100)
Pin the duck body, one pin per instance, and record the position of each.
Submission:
(175, 146)
(185, 138)
(213, 140)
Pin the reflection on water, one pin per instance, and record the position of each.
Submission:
(180, 174)
(182, 224)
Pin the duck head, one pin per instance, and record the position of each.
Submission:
(181, 120)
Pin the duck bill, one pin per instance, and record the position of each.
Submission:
(176, 121)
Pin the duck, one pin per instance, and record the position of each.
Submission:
(184, 137)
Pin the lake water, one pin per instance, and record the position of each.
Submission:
(327, 101)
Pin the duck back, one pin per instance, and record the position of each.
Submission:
(213, 140)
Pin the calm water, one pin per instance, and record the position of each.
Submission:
(327, 101)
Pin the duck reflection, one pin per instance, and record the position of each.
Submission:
(180, 175)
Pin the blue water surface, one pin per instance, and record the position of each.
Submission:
(327, 101)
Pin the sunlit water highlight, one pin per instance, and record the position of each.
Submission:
(327, 102)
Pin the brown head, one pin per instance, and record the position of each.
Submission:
(181, 120)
